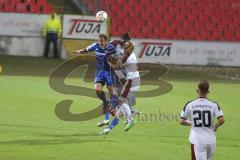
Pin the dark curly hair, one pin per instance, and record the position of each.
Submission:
(126, 37)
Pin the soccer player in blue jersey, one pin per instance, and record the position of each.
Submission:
(103, 74)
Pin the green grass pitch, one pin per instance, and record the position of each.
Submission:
(30, 130)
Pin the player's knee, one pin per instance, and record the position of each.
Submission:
(121, 101)
(111, 90)
(99, 91)
(118, 115)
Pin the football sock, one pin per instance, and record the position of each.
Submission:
(102, 96)
(126, 112)
(114, 101)
(113, 123)
(107, 116)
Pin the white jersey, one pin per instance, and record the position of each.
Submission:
(132, 72)
(202, 113)
(131, 69)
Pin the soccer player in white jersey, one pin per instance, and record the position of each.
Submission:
(129, 62)
(200, 114)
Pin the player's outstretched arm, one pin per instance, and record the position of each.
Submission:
(185, 122)
(219, 123)
(82, 51)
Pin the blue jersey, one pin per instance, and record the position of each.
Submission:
(102, 54)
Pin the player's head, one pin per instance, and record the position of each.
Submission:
(203, 87)
(53, 16)
(125, 37)
(102, 39)
(114, 61)
(126, 44)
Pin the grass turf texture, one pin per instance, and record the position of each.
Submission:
(30, 130)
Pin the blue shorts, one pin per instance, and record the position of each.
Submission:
(104, 77)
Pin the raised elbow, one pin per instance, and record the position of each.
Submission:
(221, 120)
(181, 121)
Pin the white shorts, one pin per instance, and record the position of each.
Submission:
(202, 151)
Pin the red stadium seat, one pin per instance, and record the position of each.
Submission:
(42, 2)
(16, 2)
(21, 8)
(9, 8)
(30, 2)
(188, 20)
(34, 8)
(25, 6)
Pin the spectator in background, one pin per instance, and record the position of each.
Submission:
(52, 31)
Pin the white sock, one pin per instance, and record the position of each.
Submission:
(126, 112)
